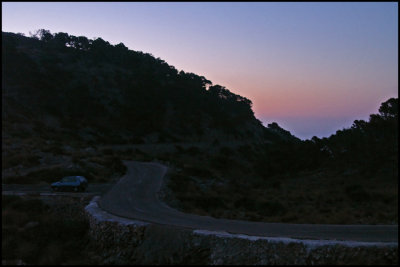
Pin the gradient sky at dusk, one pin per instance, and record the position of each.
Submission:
(312, 67)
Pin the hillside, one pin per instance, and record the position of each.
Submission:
(350, 177)
(64, 97)
(72, 105)
(100, 93)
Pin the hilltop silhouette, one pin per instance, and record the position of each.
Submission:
(110, 94)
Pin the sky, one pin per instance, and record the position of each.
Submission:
(312, 67)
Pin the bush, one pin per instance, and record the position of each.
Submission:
(178, 182)
(56, 149)
(193, 151)
(245, 150)
(276, 184)
(11, 217)
(139, 152)
(128, 151)
(136, 140)
(26, 160)
(209, 203)
(179, 148)
(272, 208)
(7, 200)
(220, 162)
(117, 165)
(8, 245)
(244, 202)
(107, 151)
(31, 206)
(226, 151)
(215, 142)
(196, 171)
(357, 193)
(77, 156)
(53, 253)
(27, 251)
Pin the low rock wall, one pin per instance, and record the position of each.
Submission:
(124, 241)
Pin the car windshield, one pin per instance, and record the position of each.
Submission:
(68, 179)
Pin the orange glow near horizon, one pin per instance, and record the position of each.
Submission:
(312, 98)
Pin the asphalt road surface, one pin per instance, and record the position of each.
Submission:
(135, 196)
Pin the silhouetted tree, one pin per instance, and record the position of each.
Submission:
(389, 108)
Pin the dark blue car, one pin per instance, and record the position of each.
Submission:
(74, 183)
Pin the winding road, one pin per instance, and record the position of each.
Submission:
(134, 196)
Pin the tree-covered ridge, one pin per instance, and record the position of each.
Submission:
(91, 81)
(366, 148)
(367, 145)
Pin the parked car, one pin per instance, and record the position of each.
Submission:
(74, 183)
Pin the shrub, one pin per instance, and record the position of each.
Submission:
(128, 151)
(226, 151)
(179, 148)
(192, 151)
(7, 200)
(107, 151)
(77, 156)
(117, 165)
(31, 206)
(140, 152)
(27, 251)
(196, 171)
(178, 182)
(53, 253)
(245, 150)
(272, 208)
(11, 217)
(26, 160)
(209, 203)
(136, 140)
(244, 202)
(357, 193)
(276, 184)
(220, 162)
(8, 245)
(56, 149)
(215, 142)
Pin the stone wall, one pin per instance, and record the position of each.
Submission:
(124, 241)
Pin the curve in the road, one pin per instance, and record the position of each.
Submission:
(135, 197)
